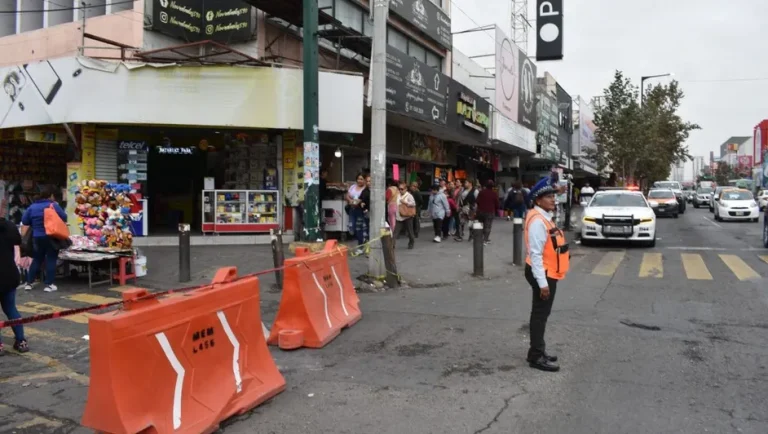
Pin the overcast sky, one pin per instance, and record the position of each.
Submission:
(707, 44)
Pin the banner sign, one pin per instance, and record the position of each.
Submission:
(198, 20)
(468, 113)
(549, 30)
(526, 113)
(427, 17)
(415, 89)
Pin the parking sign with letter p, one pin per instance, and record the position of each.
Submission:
(549, 30)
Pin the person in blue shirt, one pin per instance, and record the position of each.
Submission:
(44, 249)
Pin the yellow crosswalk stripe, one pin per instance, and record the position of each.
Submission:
(122, 288)
(652, 265)
(91, 299)
(764, 258)
(41, 308)
(609, 263)
(694, 266)
(739, 267)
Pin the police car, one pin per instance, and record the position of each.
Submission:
(619, 214)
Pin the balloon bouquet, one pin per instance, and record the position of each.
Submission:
(103, 211)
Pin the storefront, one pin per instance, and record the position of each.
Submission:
(199, 145)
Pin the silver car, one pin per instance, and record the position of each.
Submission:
(702, 197)
(713, 196)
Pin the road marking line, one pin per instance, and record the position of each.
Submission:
(123, 288)
(91, 299)
(58, 366)
(37, 421)
(764, 258)
(41, 308)
(652, 266)
(609, 263)
(695, 268)
(713, 222)
(739, 267)
(32, 377)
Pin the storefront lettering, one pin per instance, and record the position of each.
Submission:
(185, 25)
(473, 118)
(176, 151)
(132, 145)
(185, 10)
(228, 13)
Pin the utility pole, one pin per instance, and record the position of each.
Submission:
(378, 133)
(311, 133)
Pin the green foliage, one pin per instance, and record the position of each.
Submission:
(723, 173)
(640, 142)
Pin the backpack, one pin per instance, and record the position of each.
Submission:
(518, 198)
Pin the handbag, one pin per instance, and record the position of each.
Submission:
(406, 211)
(27, 247)
(54, 225)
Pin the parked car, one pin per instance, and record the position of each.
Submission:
(702, 197)
(713, 195)
(736, 204)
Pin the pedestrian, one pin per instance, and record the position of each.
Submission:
(448, 220)
(46, 250)
(515, 201)
(438, 210)
(357, 210)
(406, 211)
(9, 281)
(392, 197)
(466, 212)
(487, 206)
(364, 222)
(416, 221)
(547, 262)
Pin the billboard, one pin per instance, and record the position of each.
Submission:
(526, 113)
(427, 17)
(415, 89)
(197, 20)
(515, 83)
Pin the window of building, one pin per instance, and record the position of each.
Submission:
(350, 15)
(434, 60)
(417, 51)
(397, 40)
(437, 2)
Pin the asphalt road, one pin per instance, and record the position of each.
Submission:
(662, 340)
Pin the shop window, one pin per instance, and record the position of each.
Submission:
(417, 51)
(397, 40)
(350, 15)
(434, 61)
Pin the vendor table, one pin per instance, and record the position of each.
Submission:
(89, 258)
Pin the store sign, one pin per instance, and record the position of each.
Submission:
(175, 151)
(415, 89)
(548, 128)
(197, 20)
(469, 114)
(549, 30)
(133, 145)
(526, 113)
(44, 136)
(427, 17)
(564, 120)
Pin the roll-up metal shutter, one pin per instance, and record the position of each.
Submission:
(106, 160)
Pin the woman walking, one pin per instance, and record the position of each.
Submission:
(45, 249)
(393, 198)
(355, 210)
(438, 210)
(9, 281)
(406, 211)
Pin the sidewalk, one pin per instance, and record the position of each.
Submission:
(428, 264)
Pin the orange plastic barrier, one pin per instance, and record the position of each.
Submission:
(181, 364)
(318, 299)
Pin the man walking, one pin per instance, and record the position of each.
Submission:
(547, 262)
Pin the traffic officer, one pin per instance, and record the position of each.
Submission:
(547, 261)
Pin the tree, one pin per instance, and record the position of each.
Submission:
(637, 142)
(723, 173)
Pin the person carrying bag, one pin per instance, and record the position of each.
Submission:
(47, 221)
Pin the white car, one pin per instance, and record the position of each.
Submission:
(734, 204)
(762, 199)
(620, 215)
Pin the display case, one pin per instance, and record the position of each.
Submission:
(240, 211)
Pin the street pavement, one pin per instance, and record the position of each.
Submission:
(661, 340)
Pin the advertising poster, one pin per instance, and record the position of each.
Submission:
(132, 164)
(88, 169)
(290, 192)
(415, 89)
(507, 76)
(526, 96)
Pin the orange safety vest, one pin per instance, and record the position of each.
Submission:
(556, 255)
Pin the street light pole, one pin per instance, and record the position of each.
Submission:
(642, 82)
(378, 134)
(311, 226)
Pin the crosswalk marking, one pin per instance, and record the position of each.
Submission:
(764, 258)
(651, 266)
(739, 267)
(695, 268)
(609, 263)
(91, 299)
(41, 308)
(122, 288)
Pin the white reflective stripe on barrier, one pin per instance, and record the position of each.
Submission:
(176, 365)
(325, 300)
(341, 290)
(265, 330)
(517, 221)
(236, 352)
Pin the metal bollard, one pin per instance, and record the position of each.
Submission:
(477, 248)
(278, 257)
(185, 257)
(517, 241)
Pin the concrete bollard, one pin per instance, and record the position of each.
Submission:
(185, 257)
(477, 249)
(517, 241)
